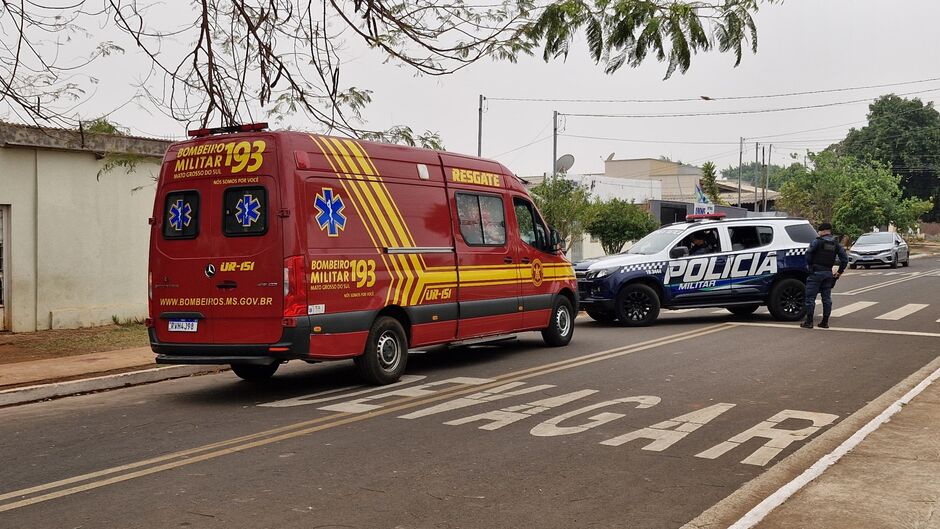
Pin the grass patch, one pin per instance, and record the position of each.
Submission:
(41, 345)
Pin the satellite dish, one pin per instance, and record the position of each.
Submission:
(611, 157)
(564, 163)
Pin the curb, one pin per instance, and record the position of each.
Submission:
(26, 394)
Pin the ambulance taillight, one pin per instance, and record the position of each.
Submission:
(295, 298)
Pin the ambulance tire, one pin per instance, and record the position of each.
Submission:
(787, 300)
(386, 354)
(255, 372)
(637, 305)
(602, 316)
(561, 326)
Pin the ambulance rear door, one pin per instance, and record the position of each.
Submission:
(217, 259)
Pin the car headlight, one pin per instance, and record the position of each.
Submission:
(601, 272)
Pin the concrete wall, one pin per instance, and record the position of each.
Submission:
(78, 245)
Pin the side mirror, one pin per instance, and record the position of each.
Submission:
(678, 251)
(554, 243)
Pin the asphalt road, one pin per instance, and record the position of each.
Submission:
(642, 428)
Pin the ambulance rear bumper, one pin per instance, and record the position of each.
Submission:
(294, 343)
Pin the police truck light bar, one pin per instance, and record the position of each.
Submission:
(705, 216)
(248, 127)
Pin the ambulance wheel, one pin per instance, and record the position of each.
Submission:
(255, 372)
(743, 310)
(601, 316)
(637, 305)
(787, 300)
(561, 327)
(386, 354)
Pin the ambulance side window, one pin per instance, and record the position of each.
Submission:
(245, 211)
(482, 219)
(181, 215)
(531, 230)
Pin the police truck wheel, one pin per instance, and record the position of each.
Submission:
(743, 310)
(255, 372)
(637, 305)
(602, 316)
(386, 353)
(561, 327)
(787, 300)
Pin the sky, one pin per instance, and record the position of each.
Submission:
(804, 45)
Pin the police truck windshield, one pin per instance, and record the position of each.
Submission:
(654, 242)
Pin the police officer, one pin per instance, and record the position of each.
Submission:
(820, 258)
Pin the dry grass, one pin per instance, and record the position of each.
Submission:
(41, 345)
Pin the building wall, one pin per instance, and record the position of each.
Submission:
(678, 180)
(79, 245)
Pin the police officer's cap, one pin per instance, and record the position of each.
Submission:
(825, 226)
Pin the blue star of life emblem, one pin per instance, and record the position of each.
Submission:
(247, 210)
(181, 215)
(330, 212)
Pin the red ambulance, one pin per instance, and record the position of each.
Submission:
(272, 246)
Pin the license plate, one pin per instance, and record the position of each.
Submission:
(868, 258)
(183, 325)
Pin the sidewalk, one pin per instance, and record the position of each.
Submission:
(33, 380)
(890, 480)
(70, 367)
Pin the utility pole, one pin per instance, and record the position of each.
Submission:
(554, 140)
(770, 151)
(740, 168)
(756, 173)
(763, 192)
(480, 127)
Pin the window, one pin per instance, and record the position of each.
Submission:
(482, 219)
(801, 232)
(746, 237)
(531, 229)
(181, 215)
(702, 242)
(245, 211)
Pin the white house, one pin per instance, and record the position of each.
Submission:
(73, 245)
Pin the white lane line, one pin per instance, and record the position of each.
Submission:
(906, 310)
(852, 307)
(762, 509)
(841, 329)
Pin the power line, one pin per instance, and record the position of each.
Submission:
(740, 112)
(709, 98)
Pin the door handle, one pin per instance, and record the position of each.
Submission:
(507, 260)
(225, 285)
(525, 260)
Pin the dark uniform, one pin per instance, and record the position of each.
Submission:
(820, 258)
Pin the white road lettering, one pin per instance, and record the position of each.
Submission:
(489, 395)
(777, 438)
(550, 427)
(320, 397)
(365, 404)
(667, 433)
(506, 416)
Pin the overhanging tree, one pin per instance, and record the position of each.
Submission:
(234, 61)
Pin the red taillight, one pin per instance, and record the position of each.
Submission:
(150, 285)
(295, 293)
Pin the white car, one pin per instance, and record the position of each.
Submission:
(879, 248)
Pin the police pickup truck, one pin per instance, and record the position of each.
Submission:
(738, 264)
